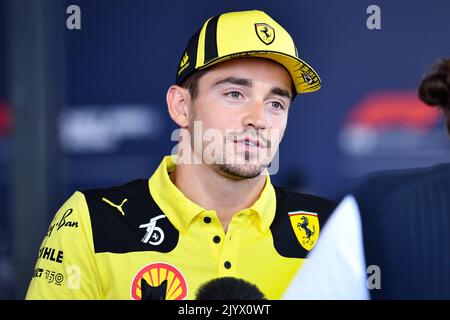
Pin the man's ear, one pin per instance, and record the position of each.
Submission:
(179, 104)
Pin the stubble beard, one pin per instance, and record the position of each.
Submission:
(240, 164)
(239, 171)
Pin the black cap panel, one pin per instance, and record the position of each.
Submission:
(188, 60)
(211, 40)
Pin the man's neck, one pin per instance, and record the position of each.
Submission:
(213, 191)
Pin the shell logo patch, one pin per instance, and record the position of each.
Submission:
(155, 274)
(306, 227)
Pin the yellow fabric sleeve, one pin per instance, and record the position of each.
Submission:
(66, 266)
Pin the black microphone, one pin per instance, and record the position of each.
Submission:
(226, 288)
(229, 288)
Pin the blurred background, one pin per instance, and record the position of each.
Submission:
(85, 108)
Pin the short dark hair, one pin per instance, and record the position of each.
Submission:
(434, 88)
(191, 82)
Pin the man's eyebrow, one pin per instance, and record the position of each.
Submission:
(237, 81)
(281, 92)
(248, 83)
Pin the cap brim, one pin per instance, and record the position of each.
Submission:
(304, 77)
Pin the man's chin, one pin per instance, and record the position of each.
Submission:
(240, 171)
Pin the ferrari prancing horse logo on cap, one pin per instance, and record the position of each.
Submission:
(265, 32)
(306, 227)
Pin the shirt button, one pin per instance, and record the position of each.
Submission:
(206, 219)
(216, 239)
(227, 264)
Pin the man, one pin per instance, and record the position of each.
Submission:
(390, 238)
(210, 212)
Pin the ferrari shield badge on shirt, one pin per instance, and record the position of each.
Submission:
(306, 227)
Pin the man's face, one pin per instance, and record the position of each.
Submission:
(242, 109)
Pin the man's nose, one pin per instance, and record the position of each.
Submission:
(255, 116)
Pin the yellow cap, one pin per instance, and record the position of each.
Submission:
(246, 33)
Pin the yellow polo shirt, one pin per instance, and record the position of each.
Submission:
(103, 242)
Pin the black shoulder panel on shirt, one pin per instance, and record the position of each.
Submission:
(284, 238)
(126, 219)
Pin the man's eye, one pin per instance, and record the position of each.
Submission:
(234, 94)
(278, 106)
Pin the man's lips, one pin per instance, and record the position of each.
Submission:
(250, 141)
